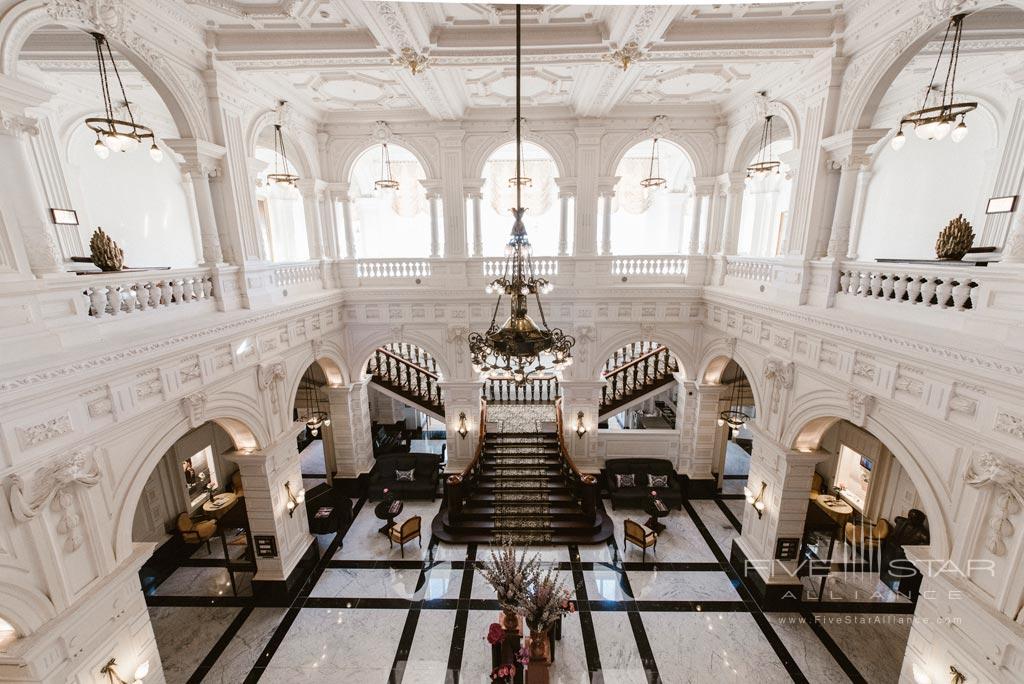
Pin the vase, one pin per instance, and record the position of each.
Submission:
(539, 648)
(510, 622)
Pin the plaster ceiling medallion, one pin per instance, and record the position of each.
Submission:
(414, 61)
(625, 56)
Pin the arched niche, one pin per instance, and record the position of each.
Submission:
(652, 220)
(540, 199)
(764, 215)
(389, 223)
(280, 207)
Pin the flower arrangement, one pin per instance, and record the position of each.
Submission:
(495, 634)
(510, 574)
(544, 601)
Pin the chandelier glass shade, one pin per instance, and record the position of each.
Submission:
(112, 133)
(764, 164)
(282, 175)
(935, 121)
(519, 348)
(313, 414)
(654, 179)
(387, 179)
(735, 417)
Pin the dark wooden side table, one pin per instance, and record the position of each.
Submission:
(656, 508)
(387, 510)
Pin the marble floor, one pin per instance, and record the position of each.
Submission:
(369, 615)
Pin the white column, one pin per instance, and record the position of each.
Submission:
(350, 421)
(606, 221)
(347, 225)
(696, 220)
(839, 238)
(585, 396)
(563, 224)
(733, 212)
(847, 153)
(860, 197)
(461, 397)
(1013, 250)
(434, 198)
(200, 174)
(476, 199)
(329, 213)
(25, 206)
(314, 224)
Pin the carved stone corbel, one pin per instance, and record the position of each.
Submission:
(268, 375)
(861, 405)
(779, 375)
(457, 336)
(52, 484)
(194, 406)
(1007, 478)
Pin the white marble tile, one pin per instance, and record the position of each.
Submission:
(654, 585)
(570, 666)
(733, 487)
(188, 581)
(596, 553)
(860, 587)
(718, 525)
(679, 543)
(428, 657)
(620, 660)
(476, 652)
(810, 655)
(364, 542)
(604, 585)
(184, 636)
(545, 554)
(441, 582)
(736, 506)
(711, 647)
(383, 583)
(874, 643)
(482, 590)
(245, 648)
(312, 458)
(338, 645)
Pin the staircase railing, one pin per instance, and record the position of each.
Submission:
(537, 391)
(406, 379)
(584, 487)
(644, 373)
(461, 485)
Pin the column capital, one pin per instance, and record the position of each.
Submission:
(432, 186)
(17, 125)
(309, 186)
(566, 185)
(850, 148)
(703, 186)
(198, 156)
(473, 187)
(733, 182)
(606, 185)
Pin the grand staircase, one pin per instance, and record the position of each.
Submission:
(522, 488)
(633, 373)
(408, 373)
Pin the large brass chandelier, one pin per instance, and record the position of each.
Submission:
(519, 348)
(936, 122)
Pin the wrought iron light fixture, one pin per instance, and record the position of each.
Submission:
(734, 416)
(412, 60)
(110, 669)
(315, 417)
(757, 502)
(581, 429)
(463, 428)
(281, 173)
(514, 350)
(654, 179)
(764, 164)
(625, 55)
(936, 122)
(119, 135)
(387, 179)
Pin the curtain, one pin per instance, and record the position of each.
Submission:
(410, 199)
(537, 198)
(630, 197)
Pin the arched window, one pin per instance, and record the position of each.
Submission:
(540, 199)
(652, 220)
(765, 214)
(281, 215)
(389, 223)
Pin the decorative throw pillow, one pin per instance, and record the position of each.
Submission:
(626, 480)
(405, 475)
(657, 480)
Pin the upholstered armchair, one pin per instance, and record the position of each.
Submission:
(868, 537)
(640, 536)
(196, 532)
(407, 531)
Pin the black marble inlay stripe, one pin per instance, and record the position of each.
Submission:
(382, 565)
(462, 616)
(629, 606)
(860, 607)
(729, 515)
(404, 647)
(730, 496)
(833, 648)
(672, 567)
(218, 648)
(636, 623)
(586, 621)
(200, 601)
(259, 667)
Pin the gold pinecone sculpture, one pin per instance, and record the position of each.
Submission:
(105, 252)
(954, 240)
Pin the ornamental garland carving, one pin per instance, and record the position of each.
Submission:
(1006, 477)
(43, 432)
(52, 485)
(1010, 424)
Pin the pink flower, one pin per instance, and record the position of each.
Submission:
(522, 656)
(386, 490)
(653, 492)
(503, 672)
(495, 634)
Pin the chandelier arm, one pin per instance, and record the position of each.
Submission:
(117, 73)
(98, 38)
(954, 60)
(935, 71)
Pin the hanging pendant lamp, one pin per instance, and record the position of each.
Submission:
(519, 178)
(112, 133)
(654, 179)
(735, 417)
(936, 122)
(282, 175)
(764, 163)
(387, 179)
(314, 416)
(515, 349)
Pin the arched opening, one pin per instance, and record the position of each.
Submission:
(390, 223)
(912, 193)
(734, 441)
(540, 199)
(8, 635)
(280, 207)
(863, 508)
(144, 205)
(640, 391)
(316, 442)
(653, 220)
(766, 199)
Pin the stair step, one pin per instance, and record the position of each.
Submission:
(523, 498)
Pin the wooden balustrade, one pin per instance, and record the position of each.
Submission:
(406, 379)
(643, 373)
(413, 354)
(584, 487)
(460, 486)
(114, 295)
(535, 391)
(946, 289)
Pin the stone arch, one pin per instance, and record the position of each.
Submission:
(356, 151)
(483, 155)
(190, 116)
(239, 416)
(297, 153)
(431, 346)
(702, 166)
(717, 358)
(750, 142)
(677, 346)
(330, 361)
(25, 607)
(816, 411)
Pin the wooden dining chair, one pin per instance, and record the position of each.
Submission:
(407, 531)
(638, 535)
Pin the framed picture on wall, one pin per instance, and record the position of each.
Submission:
(1001, 205)
(64, 217)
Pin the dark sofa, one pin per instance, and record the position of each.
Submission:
(636, 497)
(424, 486)
(390, 439)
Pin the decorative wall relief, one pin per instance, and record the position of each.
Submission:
(267, 377)
(861, 405)
(53, 483)
(194, 406)
(1007, 478)
(458, 338)
(43, 432)
(1010, 424)
(779, 375)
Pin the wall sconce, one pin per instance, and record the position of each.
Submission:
(921, 676)
(958, 677)
(756, 501)
(463, 428)
(581, 429)
(110, 670)
(293, 499)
